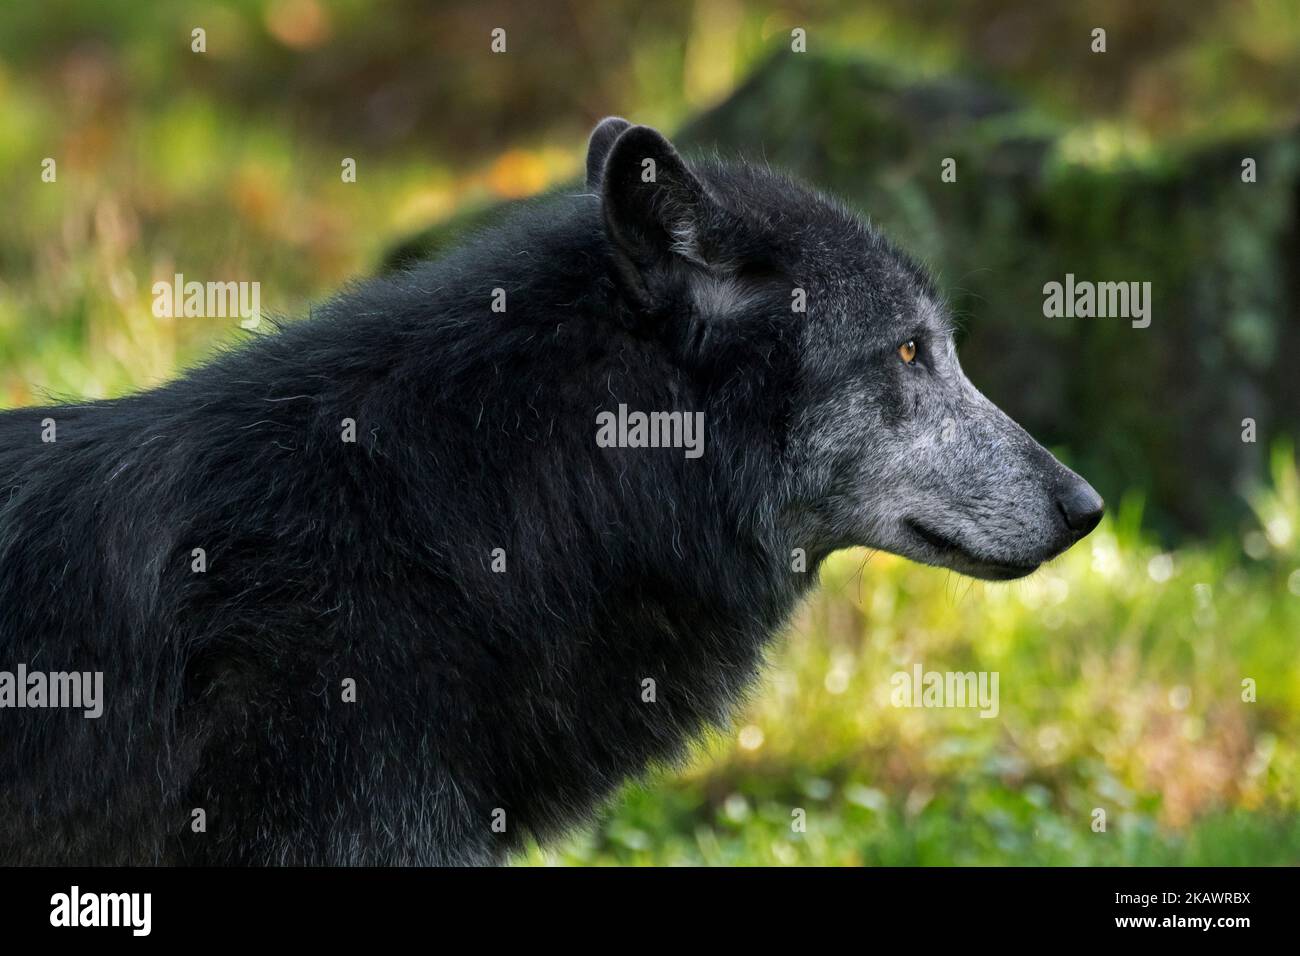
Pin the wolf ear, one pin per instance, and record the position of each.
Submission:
(602, 138)
(653, 204)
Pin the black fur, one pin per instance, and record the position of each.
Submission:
(328, 560)
(477, 691)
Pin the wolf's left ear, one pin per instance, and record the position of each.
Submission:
(654, 206)
(602, 138)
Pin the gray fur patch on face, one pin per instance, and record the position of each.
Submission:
(720, 297)
(911, 458)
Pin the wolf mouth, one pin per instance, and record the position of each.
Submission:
(983, 567)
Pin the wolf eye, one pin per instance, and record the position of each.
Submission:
(907, 351)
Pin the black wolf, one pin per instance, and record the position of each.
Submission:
(390, 586)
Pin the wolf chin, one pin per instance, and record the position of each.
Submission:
(497, 586)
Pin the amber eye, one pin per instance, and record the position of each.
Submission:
(907, 352)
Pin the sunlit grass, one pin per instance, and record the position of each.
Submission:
(200, 190)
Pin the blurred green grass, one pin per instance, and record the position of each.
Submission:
(1120, 664)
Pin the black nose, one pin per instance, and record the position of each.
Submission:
(1082, 507)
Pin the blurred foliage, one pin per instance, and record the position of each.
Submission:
(1120, 663)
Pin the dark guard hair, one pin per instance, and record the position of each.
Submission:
(529, 617)
(477, 691)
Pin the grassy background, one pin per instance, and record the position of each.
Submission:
(1120, 664)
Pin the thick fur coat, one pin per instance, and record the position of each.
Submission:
(529, 617)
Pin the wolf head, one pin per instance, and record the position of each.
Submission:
(886, 443)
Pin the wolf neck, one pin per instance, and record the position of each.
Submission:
(640, 586)
(667, 650)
